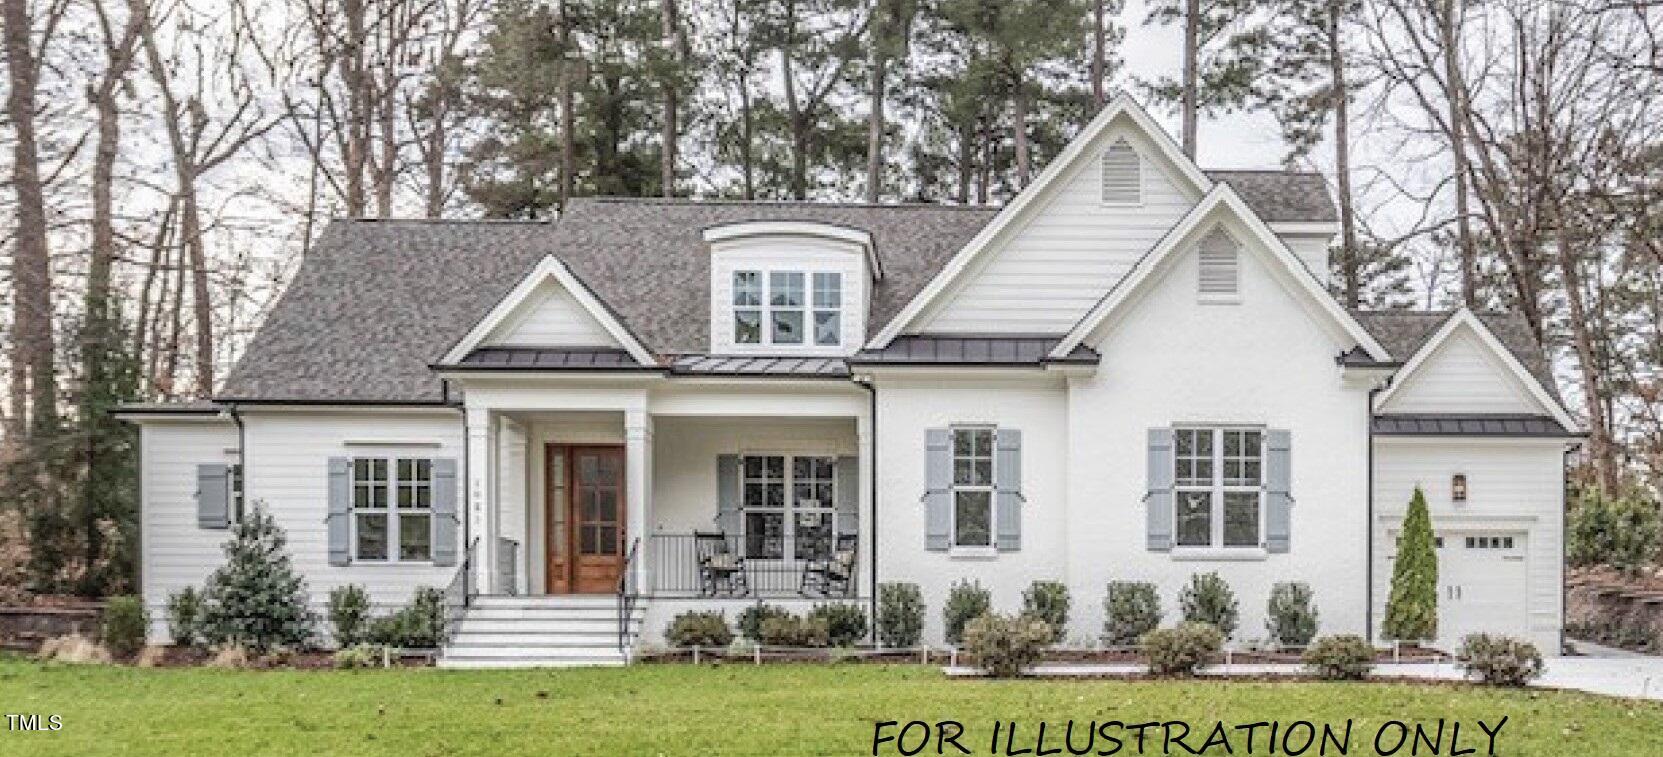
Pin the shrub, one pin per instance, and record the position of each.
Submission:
(184, 617)
(752, 618)
(1005, 645)
(1132, 608)
(1412, 605)
(419, 625)
(125, 625)
(1499, 660)
(699, 629)
(900, 614)
(361, 656)
(256, 598)
(73, 648)
(1181, 650)
(349, 612)
(1290, 617)
(1048, 601)
(1346, 657)
(1208, 599)
(789, 630)
(1620, 531)
(845, 622)
(966, 601)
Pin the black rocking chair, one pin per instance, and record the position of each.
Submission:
(720, 570)
(833, 574)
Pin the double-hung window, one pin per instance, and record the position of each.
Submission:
(973, 486)
(782, 307)
(392, 505)
(789, 505)
(1219, 487)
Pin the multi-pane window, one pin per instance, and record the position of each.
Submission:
(392, 505)
(973, 486)
(789, 505)
(1219, 486)
(780, 307)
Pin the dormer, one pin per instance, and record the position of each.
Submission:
(789, 288)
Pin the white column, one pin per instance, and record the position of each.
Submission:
(638, 488)
(868, 517)
(482, 497)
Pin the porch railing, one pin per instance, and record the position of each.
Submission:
(628, 591)
(729, 565)
(459, 592)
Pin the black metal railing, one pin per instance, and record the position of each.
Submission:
(716, 564)
(459, 592)
(628, 591)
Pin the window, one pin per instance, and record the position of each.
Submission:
(799, 490)
(1489, 542)
(792, 303)
(1220, 266)
(1122, 179)
(234, 494)
(1219, 480)
(392, 501)
(973, 486)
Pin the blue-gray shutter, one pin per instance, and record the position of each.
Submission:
(938, 480)
(340, 511)
(1007, 480)
(213, 495)
(727, 494)
(445, 517)
(848, 495)
(1158, 500)
(1278, 490)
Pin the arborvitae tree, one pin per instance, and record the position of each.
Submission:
(106, 501)
(1412, 608)
(256, 599)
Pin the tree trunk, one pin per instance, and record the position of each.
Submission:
(1602, 449)
(672, 131)
(874, 127)
(34, 388)
(568, 109)
(1350, 262)
(1457, 89)
(1192, 53)
(747, 136)
(355, 151)
(1019, 125)
(1099, 54)
(967, 162)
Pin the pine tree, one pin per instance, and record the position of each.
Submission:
(1412, 609)
(256, 599)
(106, 501)
(1221, 65)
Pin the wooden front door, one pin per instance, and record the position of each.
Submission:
(584, 497)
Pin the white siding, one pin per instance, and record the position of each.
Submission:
(1312, 251)
(1045, 274)
(550, 317)
(788, 253)
(175, 552)
(1513, 485)
(1462, 376)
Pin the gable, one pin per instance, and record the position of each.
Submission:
(550, 317)
(1462, 375)
(1044, 272)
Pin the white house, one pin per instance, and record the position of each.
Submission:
(1133, 371)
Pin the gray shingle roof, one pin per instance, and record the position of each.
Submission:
(1282, 195)
(1403, 332)
(1397, 424)
(972, 350)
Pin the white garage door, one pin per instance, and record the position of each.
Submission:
(1481, 585)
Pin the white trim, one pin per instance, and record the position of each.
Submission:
(1145, 272)
(1465, 316)
(547, 267)
(1122, 104)
(1305, 228)
(731, 231)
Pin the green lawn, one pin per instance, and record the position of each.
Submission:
(736, 709)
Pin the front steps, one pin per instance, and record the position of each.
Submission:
(539, 631)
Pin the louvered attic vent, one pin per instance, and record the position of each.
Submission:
(1220, 266)
(1122, 175)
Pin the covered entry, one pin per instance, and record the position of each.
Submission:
(586, 533)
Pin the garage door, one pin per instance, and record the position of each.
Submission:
(1481, 585)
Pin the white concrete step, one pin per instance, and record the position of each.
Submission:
(481, 663)
(474, 625)
(546, 613)
(546, 600)
(563, 638)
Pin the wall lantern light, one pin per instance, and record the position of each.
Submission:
(1458, 487)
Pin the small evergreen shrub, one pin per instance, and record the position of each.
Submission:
(1620, 531)
(789, 630)
(966, 601)
(1132, 609)
(1499, 660)
(1006, 645)
(125, 625)
(256, 599)
(1345, 657)
(1183, 649)
(1048, 601)
(1412, 605)
(699, 629)
(349, 614)
(184, 617)
(900, 614)
(419, 625)
(752, 618)
(1208, 599)
(1290, 617)
(361, 656)
(845, 622)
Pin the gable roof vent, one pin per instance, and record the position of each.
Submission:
(1122, 174)
(1220, 266)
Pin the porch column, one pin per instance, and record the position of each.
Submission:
(638, 490)
(867, 529)
(481, 498)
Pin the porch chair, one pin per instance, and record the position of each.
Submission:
(832, 575)
(719, 568)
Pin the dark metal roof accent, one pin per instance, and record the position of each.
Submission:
(973, 351)
(767, 366)
(1438, 424)
(1357, 357)
(197, 407)
(549, 359)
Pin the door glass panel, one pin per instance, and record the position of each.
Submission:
(557, 503)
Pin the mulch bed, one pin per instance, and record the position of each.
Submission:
(1406, 653)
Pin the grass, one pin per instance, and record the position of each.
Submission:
(735, 709)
